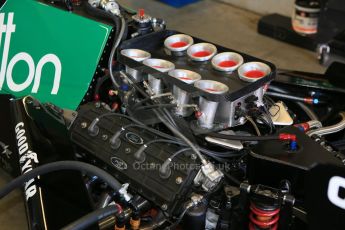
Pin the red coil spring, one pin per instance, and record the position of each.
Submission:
(261, 219)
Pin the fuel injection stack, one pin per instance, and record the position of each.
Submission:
(216, 85)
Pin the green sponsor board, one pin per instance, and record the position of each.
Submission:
(47, 52)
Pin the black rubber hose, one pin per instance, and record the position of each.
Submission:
(244, 138)
(120, 24)
(59, 166)
(100, 82)
(118, 28)
(92, 218)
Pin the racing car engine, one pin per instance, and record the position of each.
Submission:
(200, 136)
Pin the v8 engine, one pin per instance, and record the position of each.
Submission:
(151, 128)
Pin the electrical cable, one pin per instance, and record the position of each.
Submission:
(170, 127)
(154, 106)
(254, 125)
(179, 152)
(268, 99)
(206, 151)
(140, 155)
(261, 118)
(180, 142)
(146, 99)
(267, 117)
(59, 166)
(270, 103)
(169, 117)
(92, 218)
(266, 114)
(161, 140)
(165, 170)
(183, 138)
(119, 115)
(155, 131)
(179, 219)
(140, 103)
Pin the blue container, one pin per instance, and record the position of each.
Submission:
(178, 3)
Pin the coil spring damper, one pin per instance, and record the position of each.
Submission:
(263, 216)
(265, 208)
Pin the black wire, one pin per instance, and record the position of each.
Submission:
(271, 103)
(140, 103)
(264, 121)
(267, 98)
(92, 218)
(165, 111)
(179, 152)
(120, 115)
(244, 138)
(162, 140)
(59, 166)
(177, 222)
(181, 136)
(270, 123)
(155, 131)
(155, 106)
(169, 117)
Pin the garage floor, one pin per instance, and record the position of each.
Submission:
(212, 21)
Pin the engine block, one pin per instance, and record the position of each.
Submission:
(144, 178)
